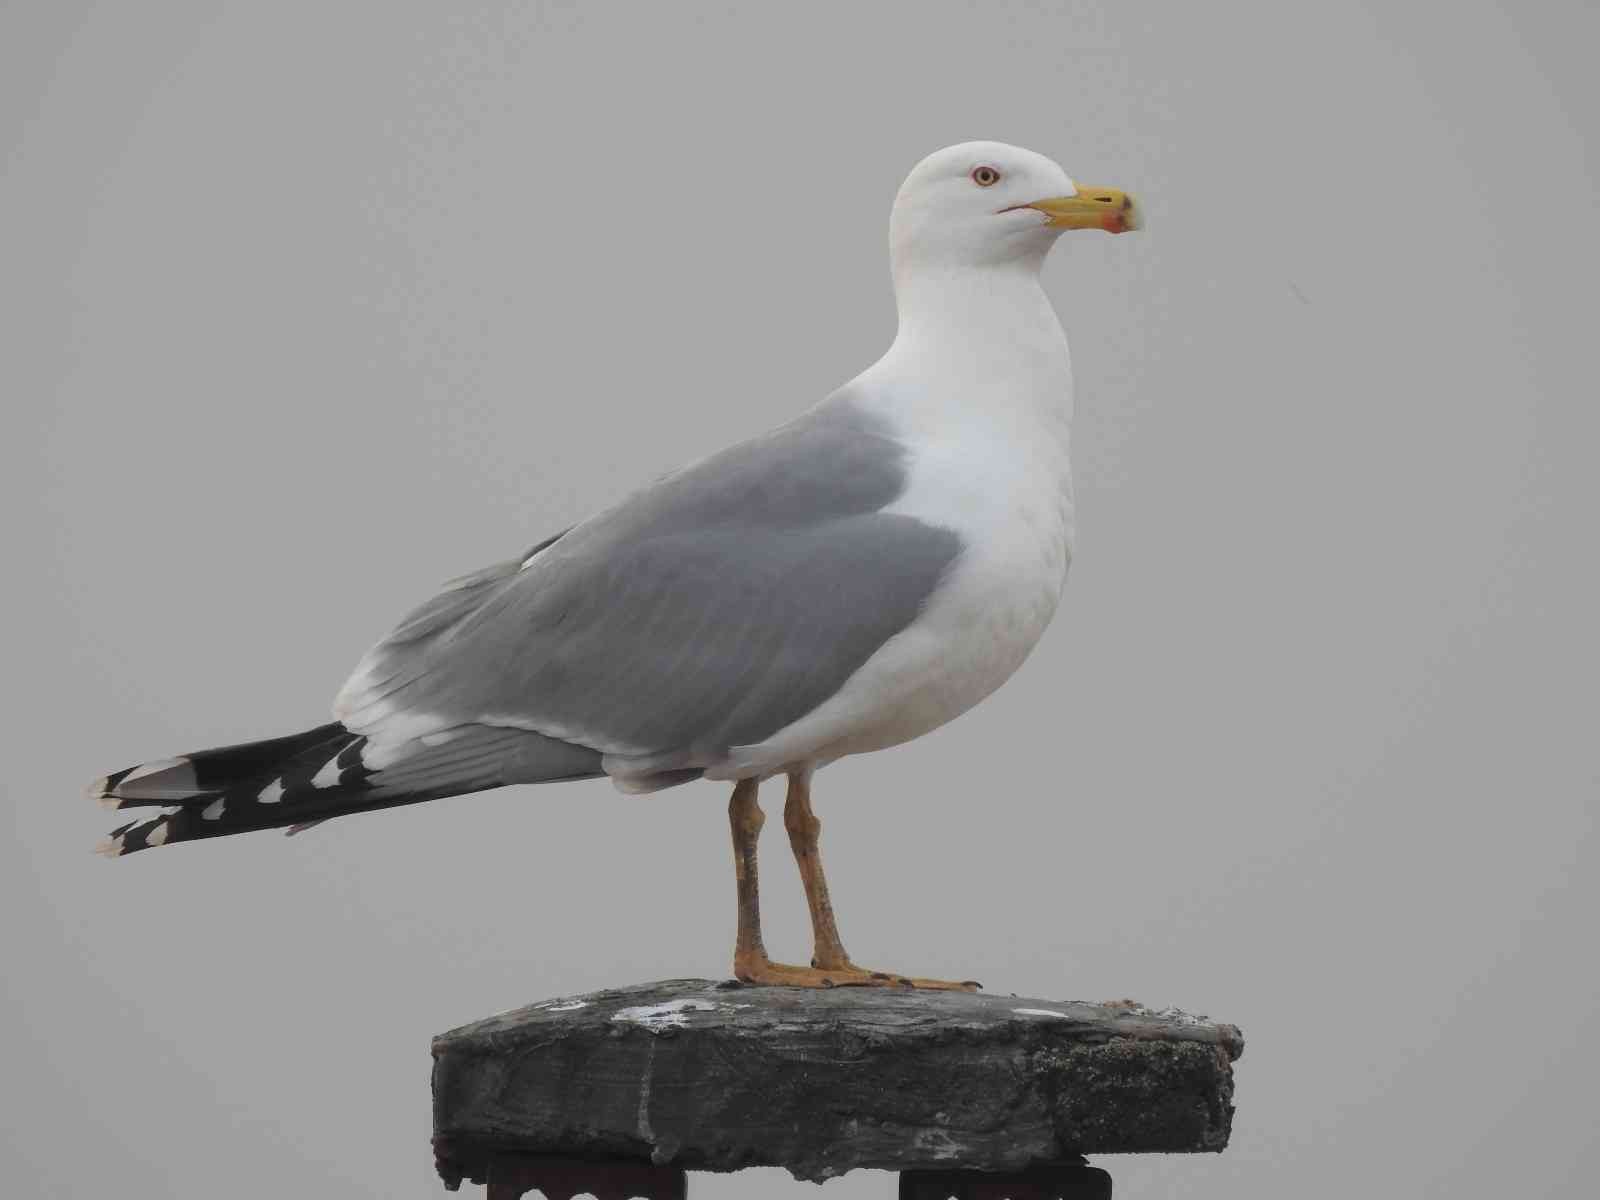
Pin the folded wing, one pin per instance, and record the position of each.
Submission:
(706, 612)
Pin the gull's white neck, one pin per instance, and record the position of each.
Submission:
(978, 346)
(978, 386)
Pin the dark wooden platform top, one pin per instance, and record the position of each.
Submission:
(719, 1076)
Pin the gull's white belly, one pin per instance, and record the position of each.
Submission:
(977, 628)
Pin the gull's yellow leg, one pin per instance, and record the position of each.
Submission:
(750, 961)
(745, 818)
(804, 828)
(829, 958)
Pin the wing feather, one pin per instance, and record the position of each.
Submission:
(707, 611)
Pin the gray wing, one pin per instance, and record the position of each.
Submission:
(705, 612)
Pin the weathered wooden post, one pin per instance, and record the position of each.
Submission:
(973, 1096)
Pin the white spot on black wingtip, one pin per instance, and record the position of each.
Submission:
(158, 835)
(272, 793)
(106, 800)
(329, 775)
(213, 811)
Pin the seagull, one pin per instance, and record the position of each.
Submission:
(844, 583)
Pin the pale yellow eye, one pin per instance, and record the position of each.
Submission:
(985, 176)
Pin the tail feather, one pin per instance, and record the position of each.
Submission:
(330, 771)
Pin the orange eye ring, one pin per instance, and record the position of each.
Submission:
(985, 176)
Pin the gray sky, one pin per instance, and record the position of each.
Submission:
(309, 307)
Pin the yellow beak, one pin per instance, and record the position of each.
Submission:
(1092, 208)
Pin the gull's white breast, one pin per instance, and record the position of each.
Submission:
(998, 476)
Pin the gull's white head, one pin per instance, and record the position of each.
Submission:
(987, 203)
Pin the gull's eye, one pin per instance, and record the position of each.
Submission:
(985, 176)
